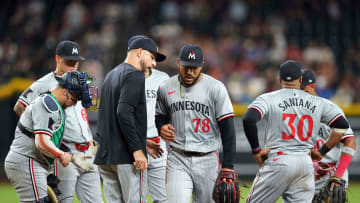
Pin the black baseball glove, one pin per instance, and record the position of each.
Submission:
(226, 189)
(52, 188)
(334, 191)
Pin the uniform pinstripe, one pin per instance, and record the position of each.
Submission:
(194, 112)
(155, 178)
(292, 121)
(76, 131)
(25, 166)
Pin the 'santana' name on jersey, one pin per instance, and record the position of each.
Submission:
(189, 105)
(297, 102)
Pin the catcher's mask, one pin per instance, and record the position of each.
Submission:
(80, 85)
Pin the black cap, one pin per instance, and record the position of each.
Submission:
(69, 50)
(290, 70)
(141, 41)
(308, 77)
(191, 55)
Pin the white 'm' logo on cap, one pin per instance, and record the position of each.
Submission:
(288, 78)
(75, 50)
(192, 55)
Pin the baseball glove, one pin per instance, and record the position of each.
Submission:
(52, 188)
(226, 189)
(334, 191)
(79, 160)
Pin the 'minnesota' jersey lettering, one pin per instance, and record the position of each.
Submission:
(195, 112)
(190, 105)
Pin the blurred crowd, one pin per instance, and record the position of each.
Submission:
(244, 41)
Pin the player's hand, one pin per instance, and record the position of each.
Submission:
(65, 159)
(167, 133)
(227, 179)
(315, 155)
(261, 156)
(140, 162)
(334, 184)
(154, 149)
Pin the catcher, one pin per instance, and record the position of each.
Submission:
(38, 136)
(331, 175)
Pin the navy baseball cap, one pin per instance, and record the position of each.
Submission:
(308, 78)
(191, 55)
(290, 70)
(69, 50)
(143, 42)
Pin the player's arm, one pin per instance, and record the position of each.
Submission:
(26, 97)
(162, 121)
(134, 86)
(228, 138)
(347, 154)
(165, 128)
(339, 127)
(46, 146)
(19, 108)
(251, 117)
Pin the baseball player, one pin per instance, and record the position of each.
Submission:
(292, 118)
(38, 136)
(156, 147)
(155, 180)
(77, 134)
(122, 126)
(193, 111)
(341, 155)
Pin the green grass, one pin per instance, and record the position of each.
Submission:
(8, 194)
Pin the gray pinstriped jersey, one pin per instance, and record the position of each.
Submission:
(195, 111)
(37, 119)
(292, 118)
(333, 156)
(151, 86)
(77, 127)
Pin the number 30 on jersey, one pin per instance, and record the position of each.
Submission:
(299, 129)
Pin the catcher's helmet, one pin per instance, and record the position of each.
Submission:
(77, 83)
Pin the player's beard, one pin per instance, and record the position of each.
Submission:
(144, 68)
(182, 80)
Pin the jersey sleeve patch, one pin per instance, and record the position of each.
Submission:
(50, 104)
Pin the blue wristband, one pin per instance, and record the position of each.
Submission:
(256, 150)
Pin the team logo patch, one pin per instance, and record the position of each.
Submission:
(192, 55)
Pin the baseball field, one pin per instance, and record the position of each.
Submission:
(8, 194)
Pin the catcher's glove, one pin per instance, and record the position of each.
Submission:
(226, 189)
(52, 188)
(334, 191)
